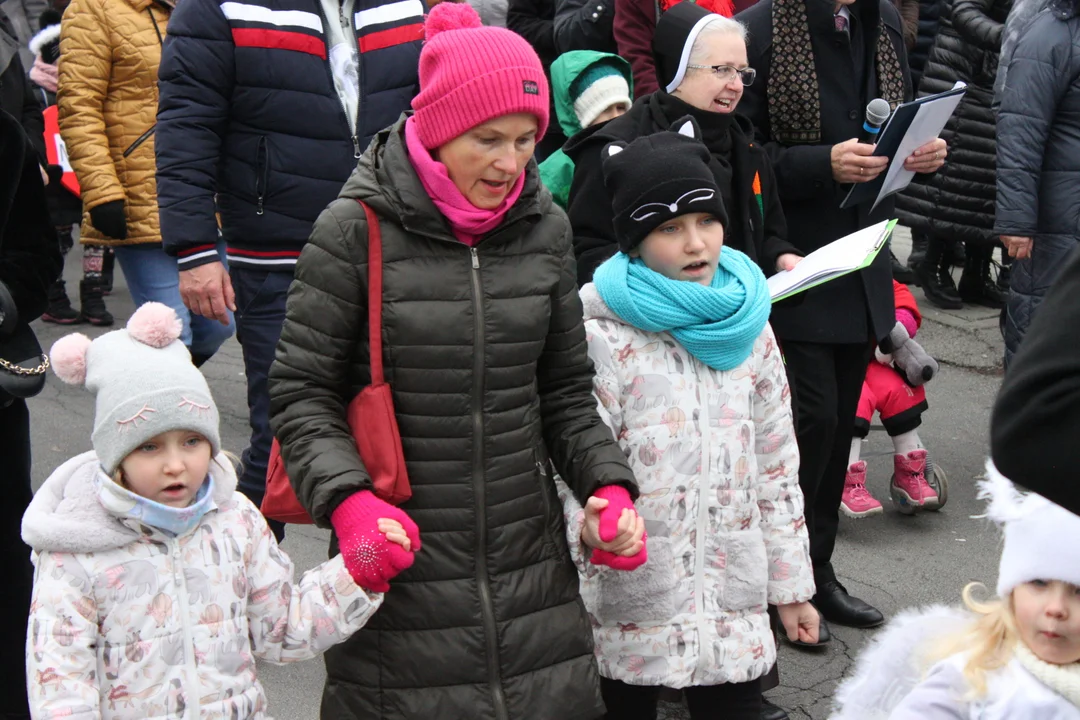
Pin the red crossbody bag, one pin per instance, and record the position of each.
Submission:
(370, 415)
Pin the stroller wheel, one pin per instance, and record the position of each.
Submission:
(937, 479)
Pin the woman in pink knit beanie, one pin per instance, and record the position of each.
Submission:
(484, 350)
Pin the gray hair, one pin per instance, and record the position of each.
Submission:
(720, 25)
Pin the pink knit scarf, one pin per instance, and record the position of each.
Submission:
(468, 222)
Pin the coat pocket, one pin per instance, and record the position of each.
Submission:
(545, 478)
(642, 596)
(746, 573)
(140, 140)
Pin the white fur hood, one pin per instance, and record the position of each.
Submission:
(45, 36)
(66, 516)
(890, 665)
(594, 306)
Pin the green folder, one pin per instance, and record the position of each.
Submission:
(831, 273)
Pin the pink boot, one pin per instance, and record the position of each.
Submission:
(909, 487)
(857, 502)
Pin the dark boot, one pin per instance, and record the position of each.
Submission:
(60, 311)
(955, 253)
(918, 249)
(934, 277)
(900, 272)
(976, 286)
(107, 265)
(92, 300)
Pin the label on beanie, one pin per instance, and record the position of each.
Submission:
(530, 87)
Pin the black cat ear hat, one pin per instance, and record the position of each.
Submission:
(657, 178)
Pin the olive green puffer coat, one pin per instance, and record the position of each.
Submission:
(485, 351)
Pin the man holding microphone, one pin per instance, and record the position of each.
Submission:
(819, 63)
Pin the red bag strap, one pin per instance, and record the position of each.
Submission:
(374, 294)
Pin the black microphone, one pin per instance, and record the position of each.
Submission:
(877, 112)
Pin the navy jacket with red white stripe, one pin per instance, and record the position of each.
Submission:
(250, 125)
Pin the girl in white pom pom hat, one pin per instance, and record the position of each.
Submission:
(157, 584)
(1013, 658)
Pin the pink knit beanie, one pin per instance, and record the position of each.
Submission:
(470, 74)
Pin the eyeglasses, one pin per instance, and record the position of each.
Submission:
(727, 73)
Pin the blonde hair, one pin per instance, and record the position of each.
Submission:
(989, 641)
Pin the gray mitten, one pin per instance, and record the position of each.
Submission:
(909, 357)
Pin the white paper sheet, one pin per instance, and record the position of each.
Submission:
(928, 123)
(837, 258)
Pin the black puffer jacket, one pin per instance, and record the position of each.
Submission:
(929, 16)
(485, 351)
(958, 200)
(1038, 158)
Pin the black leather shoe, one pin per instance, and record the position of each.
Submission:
(837, 606)
(772, 712)
(823, 637)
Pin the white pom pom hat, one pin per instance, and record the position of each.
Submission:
(144, 382)
(1042, 539)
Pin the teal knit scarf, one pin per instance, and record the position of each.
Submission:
(717, 323)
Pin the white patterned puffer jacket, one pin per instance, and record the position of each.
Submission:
(715, 459)
(129, 622)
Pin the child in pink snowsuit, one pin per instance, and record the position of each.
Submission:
(895, 390)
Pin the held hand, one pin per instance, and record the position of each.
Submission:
(395, 532)
(611, 514)
(787, 261)
(800, 622)
(44, 176)
(628, 538)
(1019, 247)
(369, 534)
(207, 290)
(852, 162)
(929, 158)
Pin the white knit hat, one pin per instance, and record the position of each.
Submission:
(607, 90)
(144, 382)
(1042, 539)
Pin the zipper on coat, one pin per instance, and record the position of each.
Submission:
(140, 140)
(262, 170)
(483, 583)
(193, 709)
(705, 654)
(541, 467)
(353, 122)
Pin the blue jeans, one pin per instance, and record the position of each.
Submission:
(152, 276)
(260, 313)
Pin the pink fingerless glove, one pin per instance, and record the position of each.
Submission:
(370, 558)
(618, 499)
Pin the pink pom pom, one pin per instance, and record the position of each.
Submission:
(450, 16)
(155, 324)
(68, 358)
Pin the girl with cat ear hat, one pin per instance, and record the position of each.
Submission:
(690, 381)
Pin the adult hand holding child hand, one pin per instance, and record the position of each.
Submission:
(801, 621)
(614, 530)
(377, 540)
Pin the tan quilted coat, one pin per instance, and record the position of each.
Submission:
(107, 97)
